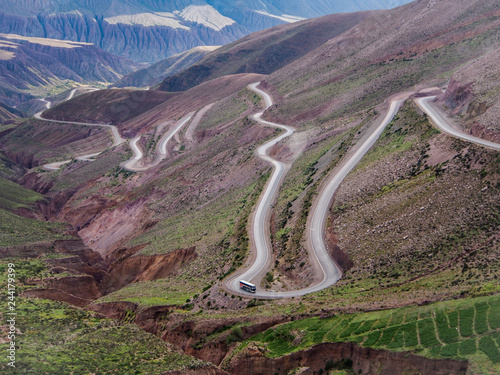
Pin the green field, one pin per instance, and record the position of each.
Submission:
(17, 230)
(461, 329)
(54, 338)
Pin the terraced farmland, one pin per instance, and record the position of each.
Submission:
(462, 329)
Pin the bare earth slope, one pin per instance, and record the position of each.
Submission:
(473, 96)
(266, 51)
(389, 52)
(415, 223)
(41, 65)
(157, 72)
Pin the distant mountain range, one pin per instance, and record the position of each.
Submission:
(36, 66)
(154, 74)
(151, 30)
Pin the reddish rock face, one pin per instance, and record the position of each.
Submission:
(145, 268)
(252, 361)
(93, 277)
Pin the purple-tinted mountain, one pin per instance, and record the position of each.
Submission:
(151, 30)
(30, 63)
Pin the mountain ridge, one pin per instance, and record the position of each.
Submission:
(178, 26)
(154, 74)
(415, 224)
(40, 65)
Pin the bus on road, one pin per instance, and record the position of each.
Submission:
(245, 285)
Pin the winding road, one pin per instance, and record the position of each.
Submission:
(441, 123)
(161, 150)
(319, 213)
(131, 164)
(261, 216)
(262, 256)
(117, 139)
(263, 251)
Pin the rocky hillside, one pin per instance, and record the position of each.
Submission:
(39, 65)
(384, 54)
(153, 30)
(266, 51)
(8, 113)
(473, 96)
(157, 72)
(414, 226)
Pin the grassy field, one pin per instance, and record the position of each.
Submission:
(463, 329)
(227, 110)
(54, 338)
(17, 230)
(14, 196)
(176, 290)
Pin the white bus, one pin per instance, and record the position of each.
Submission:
(245, 285)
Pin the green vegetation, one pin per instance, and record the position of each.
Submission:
(17, 230)
(14, 196)
(54, 338)
(402, 135)
(227, 110)
(401, 228)
(187, 228)
(424, 330)
(160, 292)
(223, 248)
(6, 168)
(297, 194)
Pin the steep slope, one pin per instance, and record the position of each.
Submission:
(472, 96)
(157, 72)
(389, 52)
(8, 113)
(108, 106)
(39, 65)
(139, 111)
(416, 223)
(153, 30)
(266, 51)
(140, 34)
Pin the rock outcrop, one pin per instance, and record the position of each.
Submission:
(472, 97)
(84, 276)
(252, 361)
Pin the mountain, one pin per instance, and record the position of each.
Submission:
(30, 65)
(265, 51)
(473, 97)
(151, 30)
(414, 226)
(157, 72)
(8, 113)
(385, 53)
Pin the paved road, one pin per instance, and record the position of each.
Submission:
(117, 138)
(161, 149)
(330, 270)
(88, 157)
(261, 217)
(439, 120)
